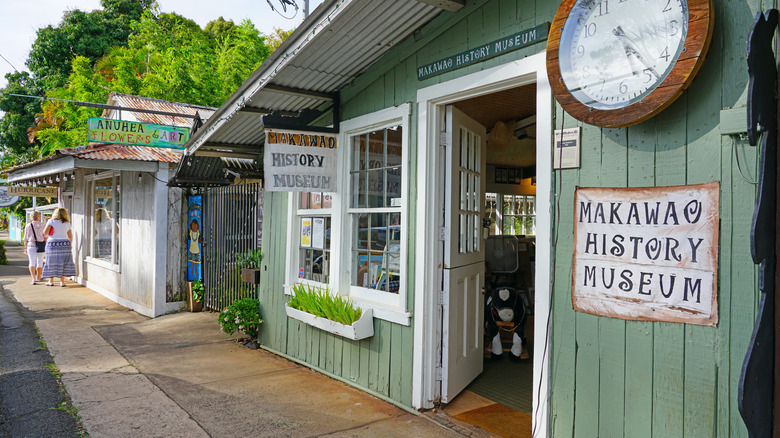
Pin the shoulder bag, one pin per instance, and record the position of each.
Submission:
(39, 246)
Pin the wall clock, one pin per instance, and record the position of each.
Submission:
(615, 63)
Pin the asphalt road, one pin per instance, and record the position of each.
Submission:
(31, 404)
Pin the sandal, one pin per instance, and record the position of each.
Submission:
(62, 284)
(49, 284)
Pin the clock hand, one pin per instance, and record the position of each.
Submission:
(630, 47)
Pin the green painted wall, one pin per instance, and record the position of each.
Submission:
(609, 377)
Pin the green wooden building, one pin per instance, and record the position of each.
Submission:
(417, 94)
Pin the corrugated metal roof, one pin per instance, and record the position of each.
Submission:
(108, 152)
(147, 103)
(335, 45)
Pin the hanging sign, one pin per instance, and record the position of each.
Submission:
(647, 254)
(486, 51)
(137, 134)
(297, 161)
(41, 192)
(7, 200)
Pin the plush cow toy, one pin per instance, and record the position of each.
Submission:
(505, 304)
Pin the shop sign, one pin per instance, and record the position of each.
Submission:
(486, 51)
(136, 134)
(647, 254)
(298, 161)
(41, 192)
(7, 200)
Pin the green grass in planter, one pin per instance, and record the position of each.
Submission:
(323, 304)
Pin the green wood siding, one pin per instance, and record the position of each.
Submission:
(608, 377)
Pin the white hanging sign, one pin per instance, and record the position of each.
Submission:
(647, 254)
(297, 161)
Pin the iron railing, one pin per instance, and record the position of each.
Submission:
(233, 218)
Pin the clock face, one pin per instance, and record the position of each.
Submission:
(613, 53)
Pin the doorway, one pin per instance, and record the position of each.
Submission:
(517, 201)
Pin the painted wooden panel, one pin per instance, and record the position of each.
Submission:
(608, 377)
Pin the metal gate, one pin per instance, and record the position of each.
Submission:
(233, 224)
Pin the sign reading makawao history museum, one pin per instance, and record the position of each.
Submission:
(300, 161)
(647, 254)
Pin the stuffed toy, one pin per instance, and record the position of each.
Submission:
(505, 304)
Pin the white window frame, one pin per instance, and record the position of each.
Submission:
(387, 306)
(293, 243)
(115, 264)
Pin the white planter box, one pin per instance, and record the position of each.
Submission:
(360, 329)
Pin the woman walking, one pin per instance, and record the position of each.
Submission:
(59, 259)
(34, 244)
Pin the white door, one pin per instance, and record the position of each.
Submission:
(464, 253)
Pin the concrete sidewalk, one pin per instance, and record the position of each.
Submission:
(178, 375)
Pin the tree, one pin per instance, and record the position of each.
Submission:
(87, 34)
(19, 113)
(277, 37)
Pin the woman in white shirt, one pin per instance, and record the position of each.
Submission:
(59, 258)
(33, 233)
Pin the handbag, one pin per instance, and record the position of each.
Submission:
(39, 246)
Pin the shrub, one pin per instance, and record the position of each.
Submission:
(241, 316)
(3, 258)
(197, 291)
(324, 304)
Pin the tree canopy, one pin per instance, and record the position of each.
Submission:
(127, 47)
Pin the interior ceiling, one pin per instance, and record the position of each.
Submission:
(506, 106)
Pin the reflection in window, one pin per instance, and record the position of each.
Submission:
(375, 201)
(105, 196)
(314, 237)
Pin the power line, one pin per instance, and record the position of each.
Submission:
(9, 62)
(104, 106)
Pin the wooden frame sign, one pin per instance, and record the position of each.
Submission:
(647, 254)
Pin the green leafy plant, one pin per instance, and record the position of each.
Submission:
(324, 304)
(3, 258)
(197, 291)
(241, 316)
(249, 259)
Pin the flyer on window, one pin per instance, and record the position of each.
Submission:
(306, 232)
(318, 233)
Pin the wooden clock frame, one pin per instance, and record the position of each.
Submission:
(697, 41)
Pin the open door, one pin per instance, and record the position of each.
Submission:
(464, 253)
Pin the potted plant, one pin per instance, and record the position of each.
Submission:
(249, 262)
(330, 312)
(195, 296)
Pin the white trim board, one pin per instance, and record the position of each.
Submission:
(430, 100)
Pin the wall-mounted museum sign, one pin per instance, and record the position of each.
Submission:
(298, 161)
(486, 51)
(41, 192)
(647, 254)
(137, 134)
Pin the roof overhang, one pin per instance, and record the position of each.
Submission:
(330, 49)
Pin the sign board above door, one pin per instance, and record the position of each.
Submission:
(486, 51)
(41, 192)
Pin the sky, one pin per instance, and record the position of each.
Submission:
(19, 20)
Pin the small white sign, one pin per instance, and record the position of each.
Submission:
(567, 148)
(318, 233)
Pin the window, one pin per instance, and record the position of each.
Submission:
(104, 195)
(352, 241)
(511, 214)
(375, 208)
(314, 219)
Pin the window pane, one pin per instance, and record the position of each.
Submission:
(376, 166)
(102, 218)
(314, 260)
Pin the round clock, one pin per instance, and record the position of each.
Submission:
(615, 63)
